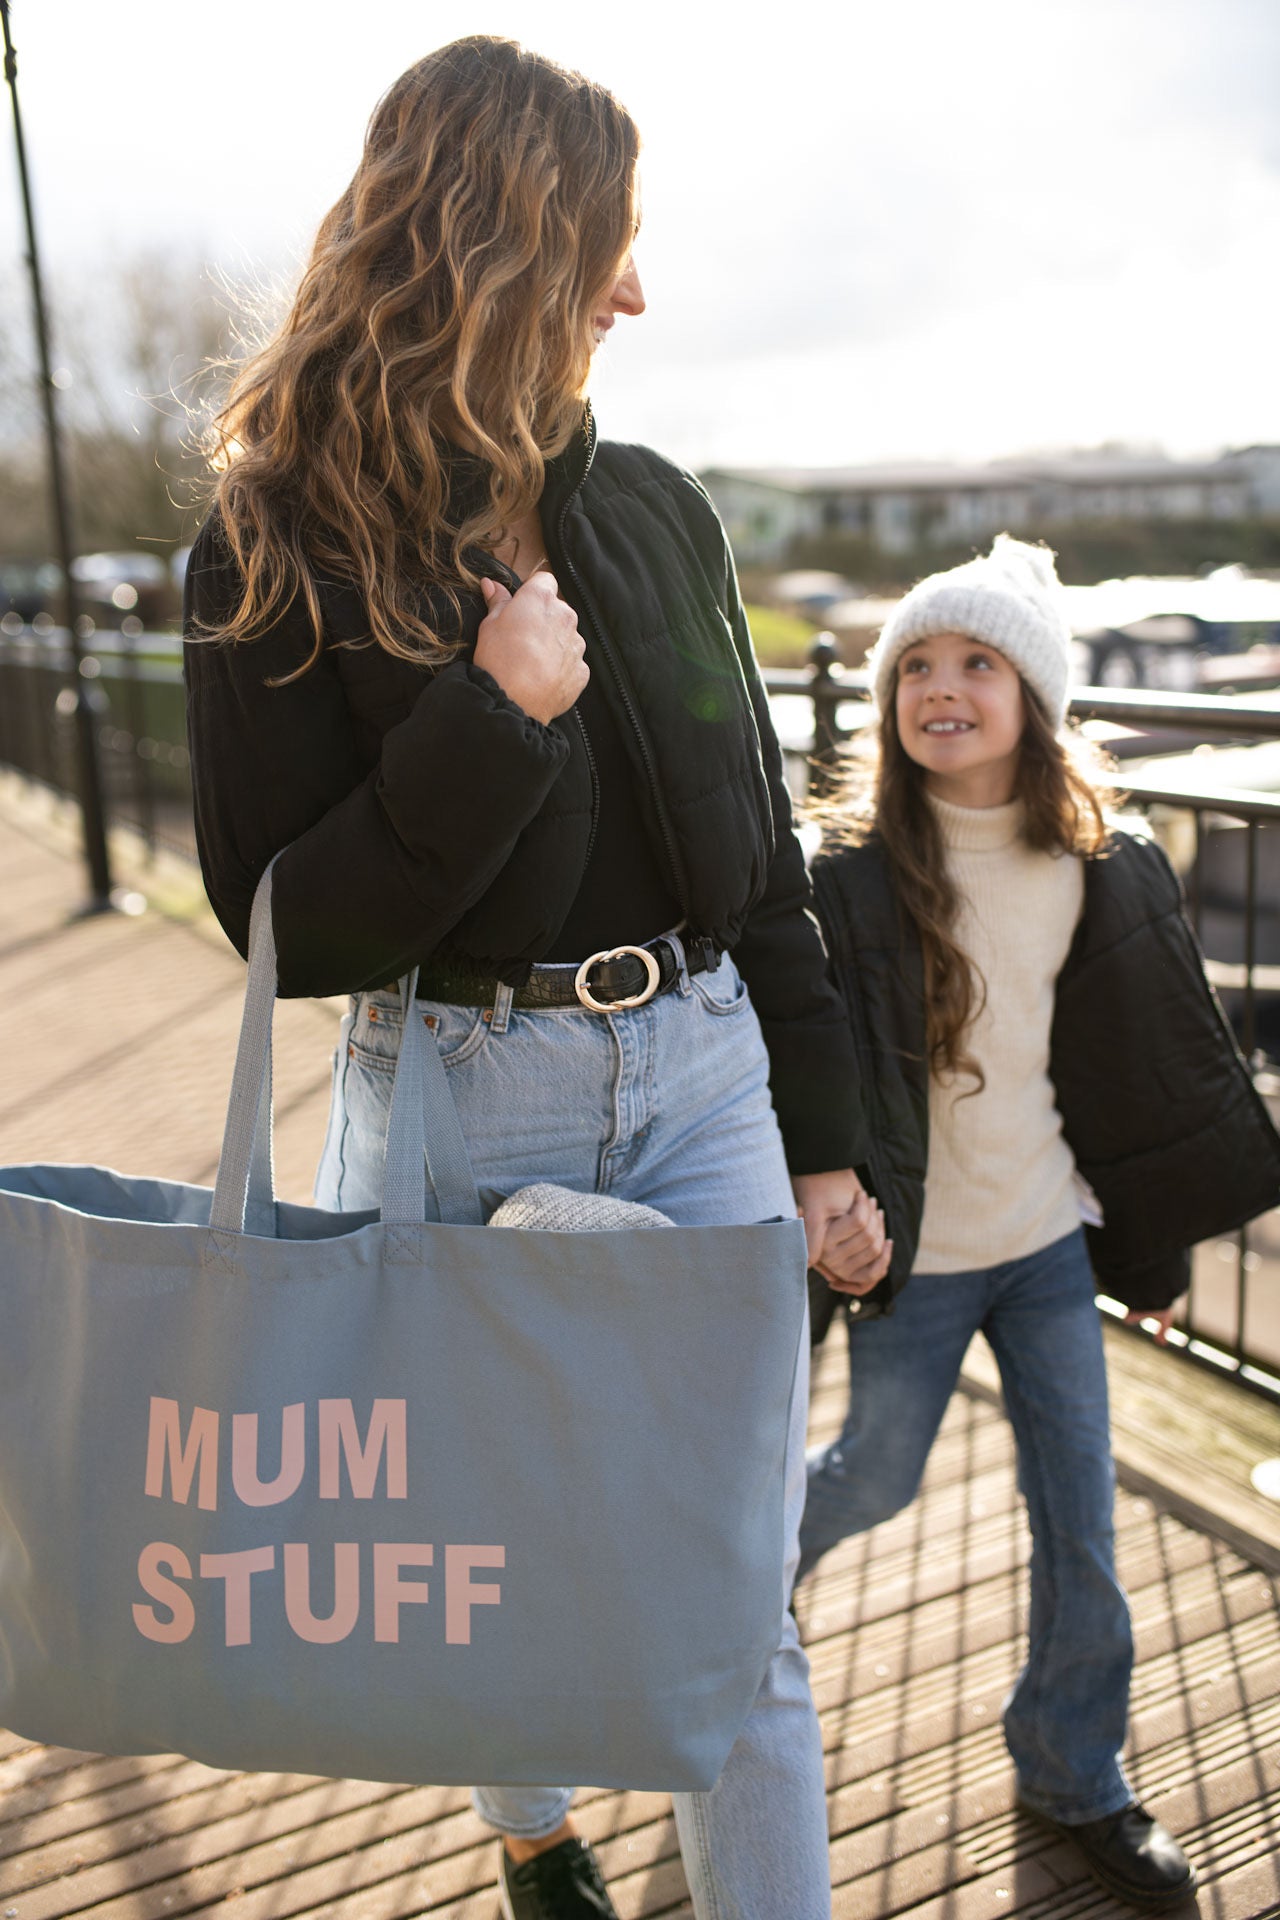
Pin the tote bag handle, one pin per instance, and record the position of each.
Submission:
(424, 1136)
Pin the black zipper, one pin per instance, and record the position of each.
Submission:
(678, 873)
(595, 785)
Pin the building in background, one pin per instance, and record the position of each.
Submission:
(898, 509)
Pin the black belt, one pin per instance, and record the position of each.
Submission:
(609, 981)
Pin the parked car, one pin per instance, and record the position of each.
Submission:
(109, 588)
(114, 585)
(1162, 633)
(29, 587)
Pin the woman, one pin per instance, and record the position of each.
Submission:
(489, 685)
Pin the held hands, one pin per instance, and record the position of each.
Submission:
(844, 1228)
(1159, 1322)
(529, 642)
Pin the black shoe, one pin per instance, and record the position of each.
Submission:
(563, 1883)
(1131, 1854)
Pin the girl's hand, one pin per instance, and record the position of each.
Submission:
(855, 1254)
(529, 642)
(844, 1229)
(1142, 1316)
(821, 1197)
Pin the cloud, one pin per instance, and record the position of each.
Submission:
(866, 228)
(892, 188)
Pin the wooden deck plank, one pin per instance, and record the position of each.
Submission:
(969, 1621)
(225, 1817)
(1157, 1433)
(173, 1798)
(1217, 1816)
(53, 1783)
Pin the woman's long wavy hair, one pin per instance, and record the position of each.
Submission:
(1065, 787)
(449, 298)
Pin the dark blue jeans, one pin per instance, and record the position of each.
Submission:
(1065, 1718)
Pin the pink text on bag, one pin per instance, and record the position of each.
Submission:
(179, 1464)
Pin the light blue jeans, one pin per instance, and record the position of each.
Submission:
(666, 1104)
(1065, 1718)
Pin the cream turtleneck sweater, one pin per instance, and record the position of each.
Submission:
(1000, 1174)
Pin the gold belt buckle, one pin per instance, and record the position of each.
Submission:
(588, 999)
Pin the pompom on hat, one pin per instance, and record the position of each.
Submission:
(1011, 598)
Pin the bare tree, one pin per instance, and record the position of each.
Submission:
(133, 344)
(24, 506)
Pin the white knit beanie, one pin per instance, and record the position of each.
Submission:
(1011, 598)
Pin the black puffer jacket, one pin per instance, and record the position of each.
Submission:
(424, 813)
(1157, 1105)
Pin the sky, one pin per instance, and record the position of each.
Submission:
(903, 230)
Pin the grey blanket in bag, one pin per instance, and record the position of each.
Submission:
(561, 1210)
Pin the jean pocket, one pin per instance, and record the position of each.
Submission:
(723, 991)
(374, 1043)
(328, 1184)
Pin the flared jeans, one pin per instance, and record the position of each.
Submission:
(1065, 1718)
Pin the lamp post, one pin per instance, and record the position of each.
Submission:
(88, 763)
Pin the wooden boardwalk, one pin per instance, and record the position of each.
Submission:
(913, 1631)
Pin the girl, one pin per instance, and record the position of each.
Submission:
(489, 684)
(1029, 1006)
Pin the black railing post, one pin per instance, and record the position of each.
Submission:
(1248, 1041)
(825, 693)
(1248, 1021)
(10, 691)
(142, 782)
(1197, 874)
(42, 685)
(88, 765)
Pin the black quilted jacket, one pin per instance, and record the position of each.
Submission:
(1157, 1105)
(424, 813)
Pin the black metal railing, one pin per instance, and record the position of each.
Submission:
(135, 685)
(1230, 1323)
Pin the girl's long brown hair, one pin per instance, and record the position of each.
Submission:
(1064, 787)
(450, 295)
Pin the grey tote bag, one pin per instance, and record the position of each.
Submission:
(363, 1495)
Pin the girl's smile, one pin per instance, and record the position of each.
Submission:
(960, 714)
